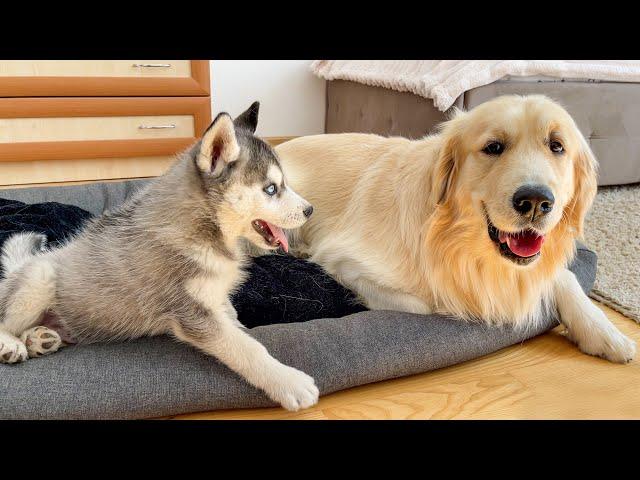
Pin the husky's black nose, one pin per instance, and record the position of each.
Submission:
(536, 199)
(308, 211)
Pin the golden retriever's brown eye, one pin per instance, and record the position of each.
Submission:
(493, 148)
(556, 147)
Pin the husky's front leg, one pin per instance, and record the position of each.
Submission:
(232, 313)
(588, 327)
(220, 337)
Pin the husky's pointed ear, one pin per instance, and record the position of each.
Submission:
(219, 146)
(248, 120)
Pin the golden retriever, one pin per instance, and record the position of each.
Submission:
(478, 221)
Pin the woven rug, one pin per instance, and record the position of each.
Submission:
(612, 229)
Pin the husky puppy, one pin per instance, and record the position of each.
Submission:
(164, 263)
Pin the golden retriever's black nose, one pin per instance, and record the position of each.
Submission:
(308, 211)
(533, 199)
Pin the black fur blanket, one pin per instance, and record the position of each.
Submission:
(279, 289)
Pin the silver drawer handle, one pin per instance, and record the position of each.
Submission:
(155, 127)
(152, 65)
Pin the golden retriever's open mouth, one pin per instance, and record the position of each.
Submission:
(522, 247)
(272, 234)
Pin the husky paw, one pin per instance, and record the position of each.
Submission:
(41, 341)
(12, 350)
(294, 389)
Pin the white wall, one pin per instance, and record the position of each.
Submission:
(292, 99)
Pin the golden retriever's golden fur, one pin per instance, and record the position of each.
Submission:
(404, 223)
(464, 275)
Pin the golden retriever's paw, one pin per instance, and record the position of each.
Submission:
(293, 389)
(12, 350)
(607, 343)
(41, 341)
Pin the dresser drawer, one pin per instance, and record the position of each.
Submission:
(19, 130)
(52, 171)
(95, 68)
(73, 78)
(38, 129)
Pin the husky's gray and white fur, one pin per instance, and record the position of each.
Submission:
(164, 263)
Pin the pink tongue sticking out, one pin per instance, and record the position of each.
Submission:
(523, 244)
(279, 235)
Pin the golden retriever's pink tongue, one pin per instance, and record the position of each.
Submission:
(279, 235)
(524, 244)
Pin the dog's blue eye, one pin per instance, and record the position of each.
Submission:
(271, 189)
(493, 148)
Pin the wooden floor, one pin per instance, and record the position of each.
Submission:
(546, 377)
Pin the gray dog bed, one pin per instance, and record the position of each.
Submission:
(154, 377)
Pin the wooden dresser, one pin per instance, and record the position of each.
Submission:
(78, 120)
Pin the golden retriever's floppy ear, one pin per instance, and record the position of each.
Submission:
(219, 146)
(447, 164)
(585, 168)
